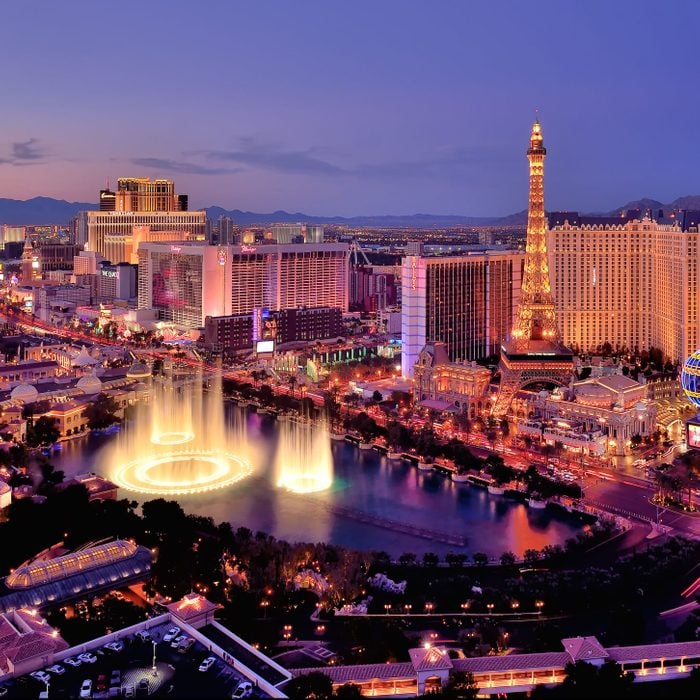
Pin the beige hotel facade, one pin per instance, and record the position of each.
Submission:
(633, 284)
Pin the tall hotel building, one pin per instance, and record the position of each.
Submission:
(467, 302)
(185, 283)
(140, 210)
(632, 283)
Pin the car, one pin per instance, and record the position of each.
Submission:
(86, 689)
(171, 634)
(175, 643)
(143, 635)
(87, 657)
(57, 669)
(243, 690)
(116, 677)
(115, 646)
(185, 645)
(101, 683)
(40, 676)
(74, 662)
(3, 691)
(207, 663)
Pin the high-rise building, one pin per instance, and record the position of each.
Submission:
(108, 200)
(289, 276)
(534, 354)
(12, 234)
(137, 202)
(185, 283)
(297, 233)
(143, 194)
(465, 301)
(629, 283)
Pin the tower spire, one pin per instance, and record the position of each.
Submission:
(536, 316)
(535, 353)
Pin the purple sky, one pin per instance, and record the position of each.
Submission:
(361, 107)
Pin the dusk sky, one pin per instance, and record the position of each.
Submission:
(352, 108)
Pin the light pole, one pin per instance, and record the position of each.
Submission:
(154, 669)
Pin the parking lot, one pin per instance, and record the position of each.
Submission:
(129, 673)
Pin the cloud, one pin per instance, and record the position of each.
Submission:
(175, 166)
(27, 150)
(446, 162)
(271, 157)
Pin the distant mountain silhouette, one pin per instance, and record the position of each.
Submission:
(40, 211)
(45, 210)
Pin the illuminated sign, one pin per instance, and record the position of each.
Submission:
(248, 249)
(110, 273)
(263, 346)
(175, 249)
(221, 256)
(693, 438)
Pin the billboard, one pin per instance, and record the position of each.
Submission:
(265, 346)
(693, 433)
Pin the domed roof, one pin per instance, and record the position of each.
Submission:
(89, 384)
(640, 406)
(138, 370)
(24, 392)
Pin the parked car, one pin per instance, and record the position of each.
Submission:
(87, 658)
(115, 646)
(74, 662)
(207, 663)
(86, 689)
(143, 635)
(57, 669)
(40, 676)
(116, 678)
(175, 643)
(171, 634)
(101, 683)
(243, 690)
(185, 645)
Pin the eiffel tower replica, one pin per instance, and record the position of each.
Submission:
(535, 352)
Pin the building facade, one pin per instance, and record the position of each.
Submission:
(185, 282)
(630, 283)
(467, 302)
(289, 276)
(458, 386)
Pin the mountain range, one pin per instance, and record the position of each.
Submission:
(46, 210)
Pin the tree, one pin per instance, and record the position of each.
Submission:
(531, 556)
(480, 559)
(349, 691)
(101, 413)
(407, 559)
(310, 686)
(431, 559)
(461, 686)
(377, 396)
(507, 559)
(42, 432)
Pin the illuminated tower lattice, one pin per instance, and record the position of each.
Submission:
(534, 354)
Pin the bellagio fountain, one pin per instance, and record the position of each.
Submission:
(179, 442)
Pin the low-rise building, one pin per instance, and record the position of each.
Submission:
(460, 386)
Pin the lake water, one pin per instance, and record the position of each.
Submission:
(369, 495)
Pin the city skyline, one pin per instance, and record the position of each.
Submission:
(352, 111)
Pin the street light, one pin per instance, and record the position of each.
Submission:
(465, 607)
(263, 605)
(429, 607)
(154, 669)
(387, 607)
(408, 607)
